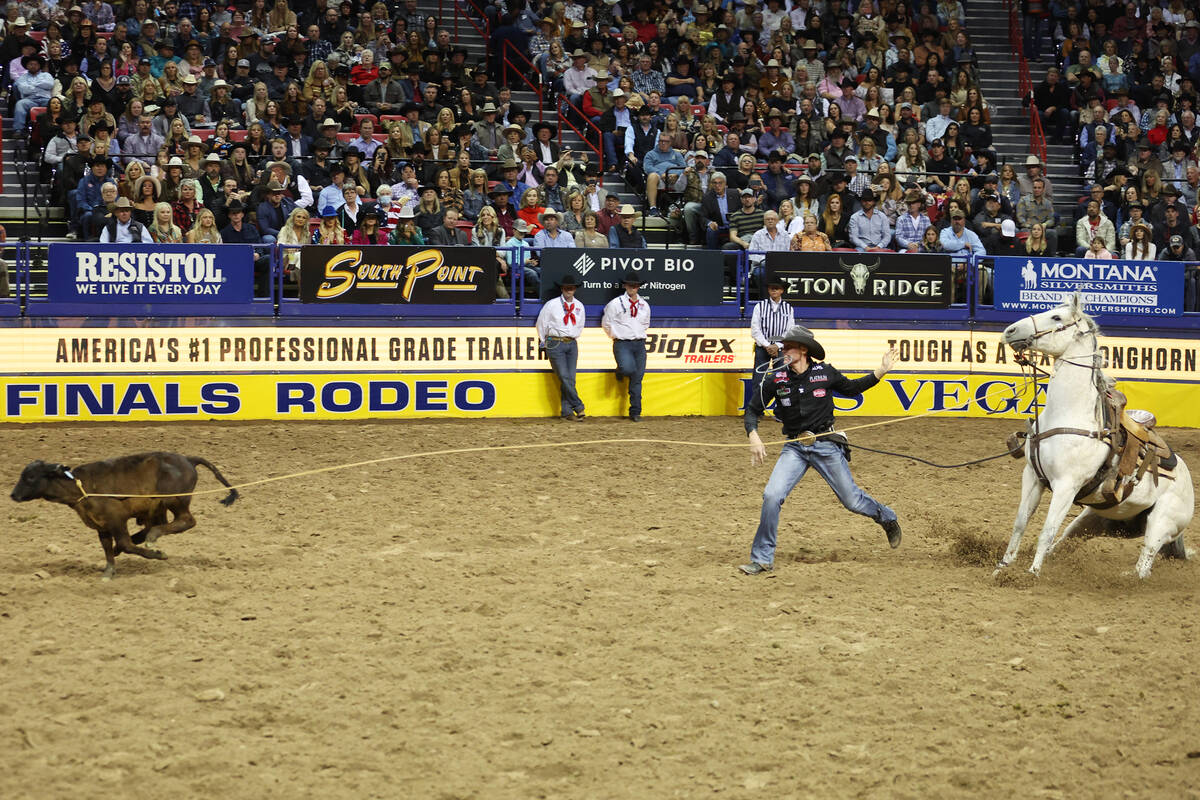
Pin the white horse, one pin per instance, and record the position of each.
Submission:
(1074, 454)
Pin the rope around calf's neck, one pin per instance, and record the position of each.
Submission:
(544, 445)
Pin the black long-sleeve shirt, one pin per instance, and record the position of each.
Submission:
(804, 401)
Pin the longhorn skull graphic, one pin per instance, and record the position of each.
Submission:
(859, 273)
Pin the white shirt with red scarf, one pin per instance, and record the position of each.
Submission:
(626, 317)
(561, 318)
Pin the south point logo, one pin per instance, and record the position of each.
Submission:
(345, 271)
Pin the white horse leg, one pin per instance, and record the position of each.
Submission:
(1031, 495)
(1060, 505)
(1087, 522)
(1175, 549)
(1164, 531)
(1167, 520)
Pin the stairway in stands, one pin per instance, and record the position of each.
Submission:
(999, 82)
(19, 217)
(469, 38)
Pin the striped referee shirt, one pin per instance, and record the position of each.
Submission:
(770, 321)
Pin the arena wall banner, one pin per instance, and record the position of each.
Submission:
(1114, 287)
(864, 280)
(375, 395)
(672, 278)
(150, 273)
(398, 275)
(246, 372)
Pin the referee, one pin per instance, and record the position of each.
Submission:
(772, 318)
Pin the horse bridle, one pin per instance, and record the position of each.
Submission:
(1020, 356)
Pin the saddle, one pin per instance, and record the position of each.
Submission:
(1135, 449)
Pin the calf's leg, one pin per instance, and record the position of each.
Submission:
(157, 517)
(125, 544)
(183, 521)
(106, 540)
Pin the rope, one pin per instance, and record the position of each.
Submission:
(543, 445)
(930, 463)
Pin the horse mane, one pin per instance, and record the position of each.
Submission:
(1076, 305)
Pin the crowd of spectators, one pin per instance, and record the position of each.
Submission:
(854, 124)
(844, 124)
(324, 123)
(1121, 86)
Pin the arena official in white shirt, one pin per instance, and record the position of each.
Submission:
(772, 318)
(559, 326)
(626, 320)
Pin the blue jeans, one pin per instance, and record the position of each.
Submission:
(611, 159)
(713, 238)
(828, 460)
(631, 363)
(563, 358)
(21, 112)
(1032, 35)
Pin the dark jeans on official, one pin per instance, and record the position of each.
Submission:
(631, 363)
(563, 358)
(761, 357)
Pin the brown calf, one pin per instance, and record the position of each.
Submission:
(141, 474)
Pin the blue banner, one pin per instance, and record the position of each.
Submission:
(151, 273)
(1151, 288)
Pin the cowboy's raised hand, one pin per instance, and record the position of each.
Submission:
(889, 358)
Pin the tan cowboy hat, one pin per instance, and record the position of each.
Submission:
(627, 211)
(137, 185)
(123, 202)
(1033, 161)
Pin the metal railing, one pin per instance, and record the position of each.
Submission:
(458, 9)
(565, 120)
(1037, 136)
(506, 63)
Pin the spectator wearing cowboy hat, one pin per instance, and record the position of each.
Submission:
(626, 320)
(803, 392)
(122, 227)
(559, 326)
(578, 78)
(489, 134)
(551, 235)
(910, 227)
(33, 88)
(547, 150)
(274, 211)
(624, 234)
(869, 228)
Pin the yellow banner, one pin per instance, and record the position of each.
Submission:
(525, 394)
(157, 351)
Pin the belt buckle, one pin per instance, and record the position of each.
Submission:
(806, 438)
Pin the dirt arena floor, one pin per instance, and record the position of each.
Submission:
(568, 623)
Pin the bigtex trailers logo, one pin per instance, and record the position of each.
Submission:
(399, 275)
